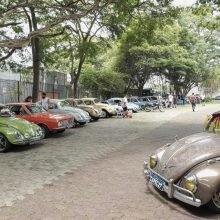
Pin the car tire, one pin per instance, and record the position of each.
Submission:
(45, 131)
(95, 119)
(5, 145)
(104, 114)
(82, 123)
(214, 204)
(148, 109)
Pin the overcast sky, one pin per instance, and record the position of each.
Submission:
(184, 2)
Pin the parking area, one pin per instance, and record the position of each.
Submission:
(95, 172)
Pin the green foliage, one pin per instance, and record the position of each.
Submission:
(105, 82)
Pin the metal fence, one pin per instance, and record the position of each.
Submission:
(15, 91)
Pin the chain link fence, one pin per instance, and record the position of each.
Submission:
(15, 91)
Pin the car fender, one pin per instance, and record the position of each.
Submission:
(9, 133)
(208, 179)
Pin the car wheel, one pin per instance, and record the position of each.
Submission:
(82, 123)
(148, 109)
(104, 114)
(45, 131)
(4, 144)
(95, 119)
(161, 109)
(214, 204)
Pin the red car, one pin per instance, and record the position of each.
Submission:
(49, 123)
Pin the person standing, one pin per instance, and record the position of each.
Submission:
(193, 99)
(170, 99)
(28, 99)
(124, 106)
(45, 101)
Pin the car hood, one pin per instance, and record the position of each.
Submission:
(53, 116)
(186, 153)
(19, 124)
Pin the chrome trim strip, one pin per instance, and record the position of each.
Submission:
(172, 190)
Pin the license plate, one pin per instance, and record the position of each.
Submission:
(157, 181)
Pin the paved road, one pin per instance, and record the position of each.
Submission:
(95, 172)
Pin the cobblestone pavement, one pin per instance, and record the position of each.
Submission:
(95, 172)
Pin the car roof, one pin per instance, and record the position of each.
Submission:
(20, 103)
(88, 99)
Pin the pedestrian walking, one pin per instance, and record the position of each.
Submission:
(45, 101)
(28, 99)
(170, 99)
(124, 106)
(192, 100)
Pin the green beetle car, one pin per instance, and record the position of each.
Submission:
(15, 131)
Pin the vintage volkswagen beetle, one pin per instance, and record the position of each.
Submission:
(15, 131)
(188, 170)
(94, 113)
(60, 106)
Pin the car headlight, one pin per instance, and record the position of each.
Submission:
(190, 183)
(153, 161)
(78, 117)
(18, 135)
(26, 136)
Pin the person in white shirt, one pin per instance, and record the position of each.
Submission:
(124, 106)
(170, 99)
(45, 101)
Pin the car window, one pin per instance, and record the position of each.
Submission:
(34, 109)
(79, 102)
(96, 100)
(88, 102)
(15, 109)
(111, 102)
(5, 112)
(63, 104)
(53, 106)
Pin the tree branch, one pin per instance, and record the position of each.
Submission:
(8, 55)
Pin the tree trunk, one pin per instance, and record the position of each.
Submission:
(35, 43)
(76, 77)
(36, 67)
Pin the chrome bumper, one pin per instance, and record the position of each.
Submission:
(27, 141)
(172, 190)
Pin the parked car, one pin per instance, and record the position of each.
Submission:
(105, 109)
(131, 106)
(148, 102)
(15, 131)
(94, 113)
(217, 98)
(154, 100)
(188, 170)
(58, 106)
(48, 122)
(137, 101)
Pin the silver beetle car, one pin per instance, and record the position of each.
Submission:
(188, 170)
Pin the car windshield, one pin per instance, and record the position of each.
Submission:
(34, 109)
(63, 104)
(96, 100)
(79, 102)
(142, 99)
(5, 112)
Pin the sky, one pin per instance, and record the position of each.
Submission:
(184, 2)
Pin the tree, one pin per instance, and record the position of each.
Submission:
(104, 82)
(42, 17)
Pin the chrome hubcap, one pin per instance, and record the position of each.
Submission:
(2, 143)
(216, 199)
(103, 114)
